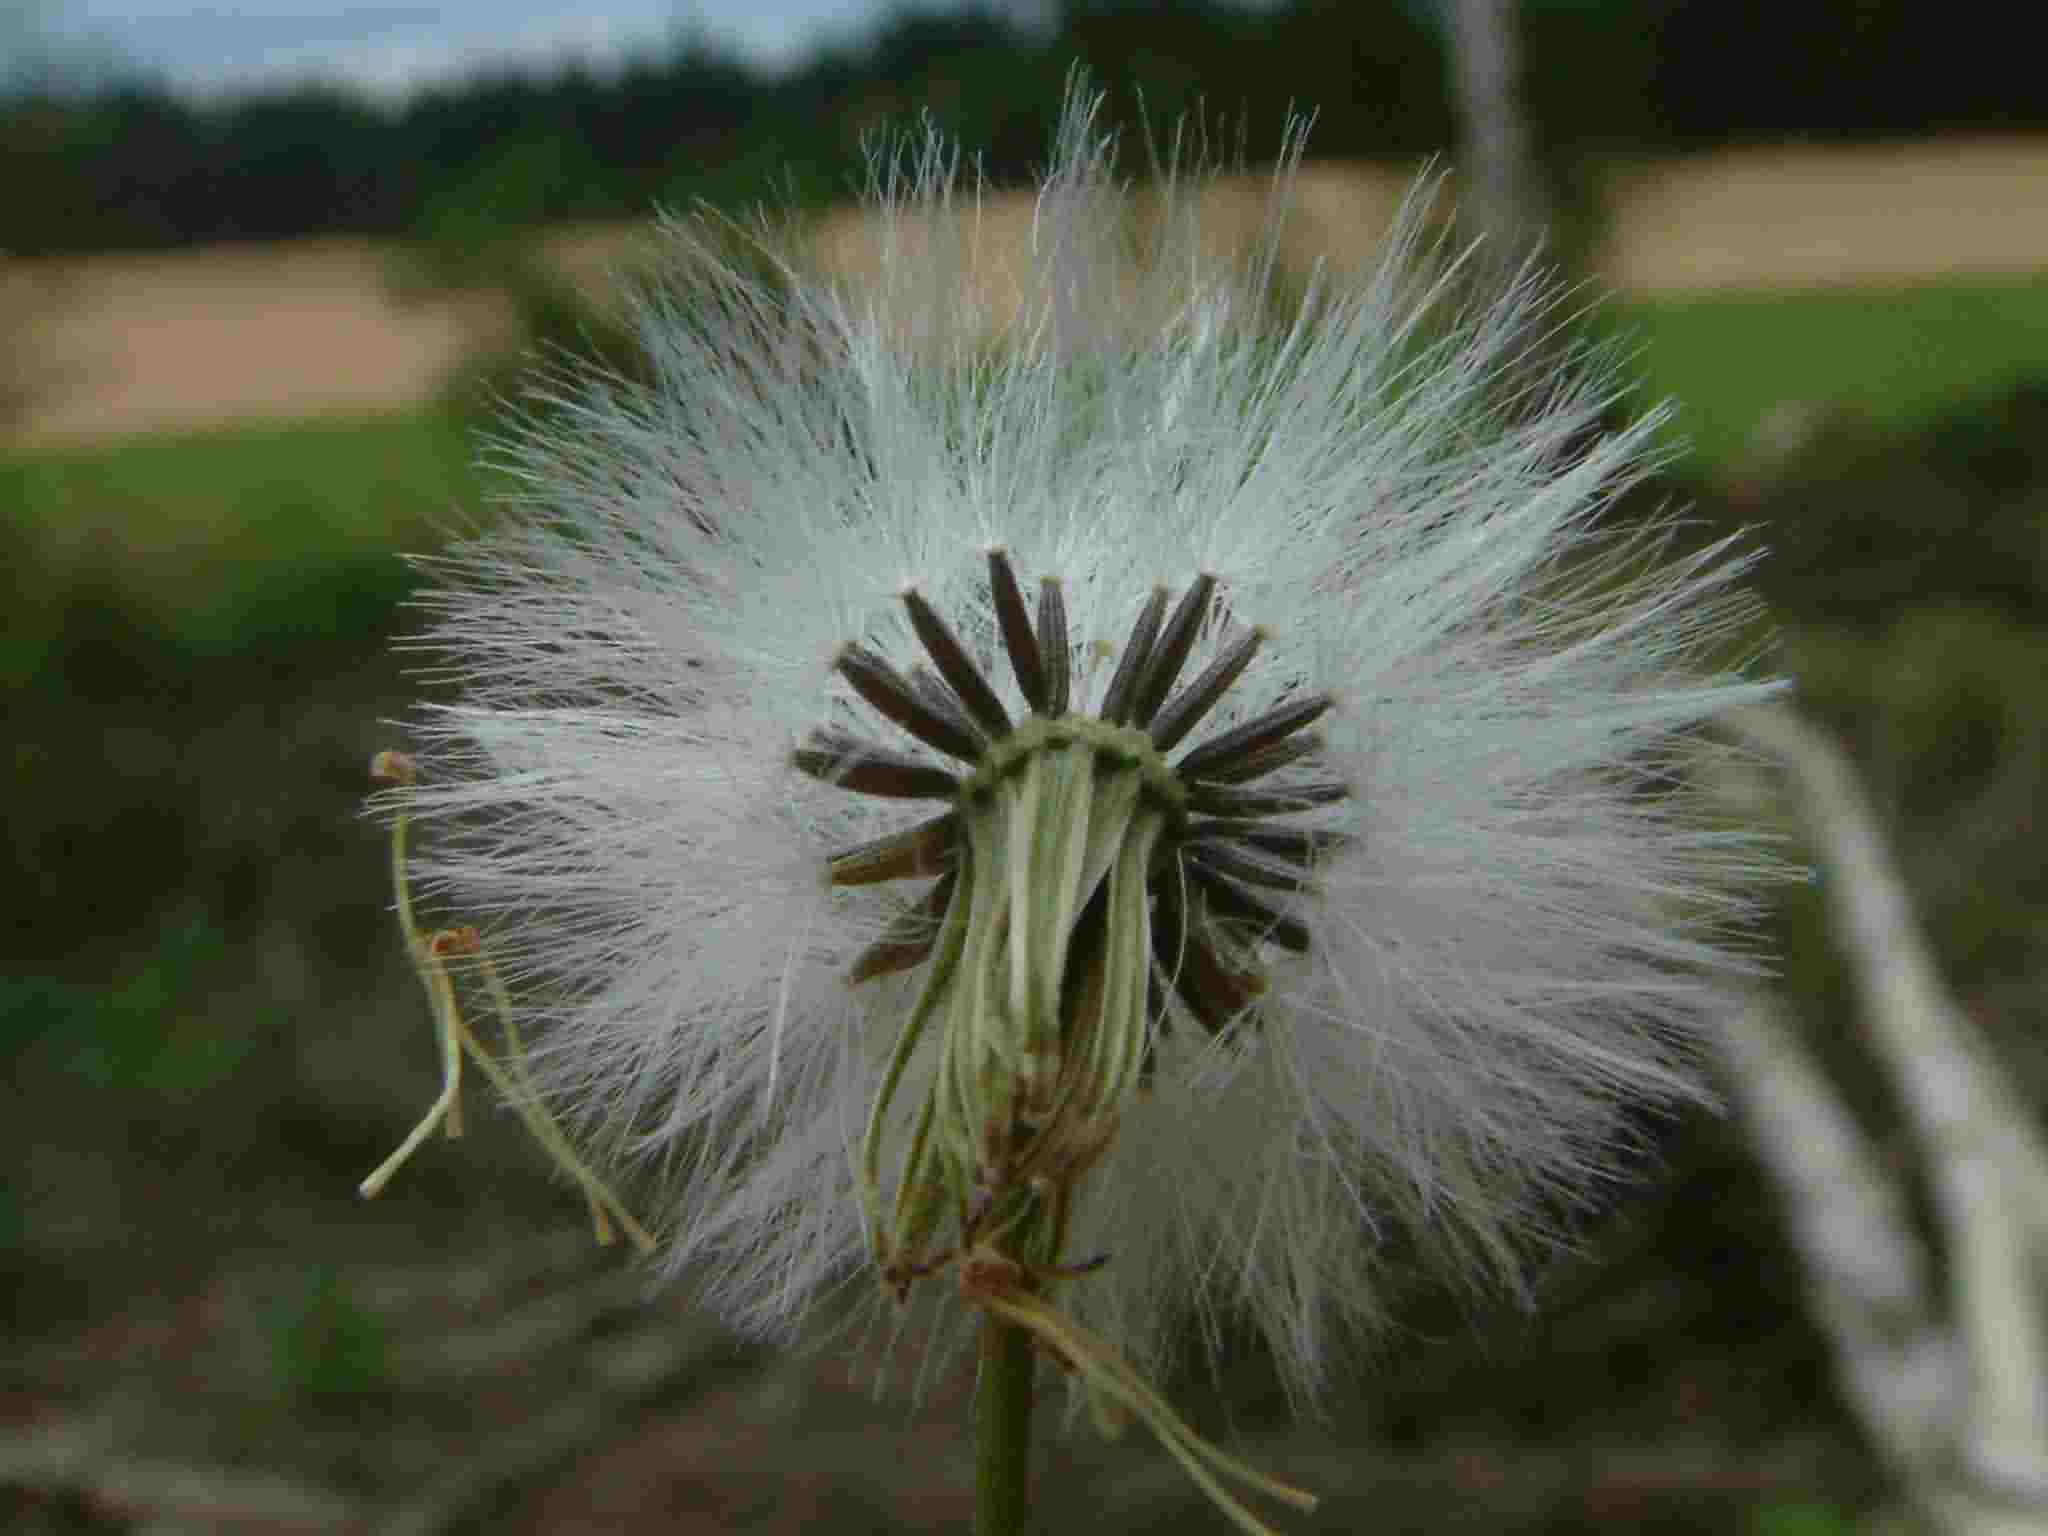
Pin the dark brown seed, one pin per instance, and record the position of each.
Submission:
(1224, 758)
(1211, 799)
(894, 698)
(1169, 920)
(1186, 962)
(1274, 873)
(1300, 845)
(1083, 975)
(1187, 708)
(929, 848)
(956, 666)
(1271, 760)
(938, 698)
(1170, 654)
(1231, 902)
(909, 938)
(1215, 993)
(1052, 640)
(866, 769)
(1123, 683)
(1025, 661)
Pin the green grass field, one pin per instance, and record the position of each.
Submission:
(235, 538)
(203, 503)
(1896, 356)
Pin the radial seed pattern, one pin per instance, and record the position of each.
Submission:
(1080, 882)
(1213, 850)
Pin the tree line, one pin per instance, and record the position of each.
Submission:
(134, 165)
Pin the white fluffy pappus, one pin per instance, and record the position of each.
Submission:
(1518, 923)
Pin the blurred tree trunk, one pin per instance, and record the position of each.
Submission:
(1500, 186)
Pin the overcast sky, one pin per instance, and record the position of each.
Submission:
(389, 46)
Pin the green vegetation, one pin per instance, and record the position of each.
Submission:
(231, 540)
(203, 502)
(1897, 357)
(140, 1033)
(1803, 1520)
(326, 1351)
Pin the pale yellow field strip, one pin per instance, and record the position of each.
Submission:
(128, 343)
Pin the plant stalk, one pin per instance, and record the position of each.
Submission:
(1002, 1429)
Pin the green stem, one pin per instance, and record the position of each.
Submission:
(1002, 1429)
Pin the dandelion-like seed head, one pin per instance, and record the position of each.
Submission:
(1085, 786)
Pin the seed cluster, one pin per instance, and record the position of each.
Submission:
(1214, 856)
(1079, 881)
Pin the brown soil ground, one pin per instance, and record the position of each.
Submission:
(140, 342)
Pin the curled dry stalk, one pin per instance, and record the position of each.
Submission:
(431, 954)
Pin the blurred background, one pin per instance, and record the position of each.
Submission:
(262, 270)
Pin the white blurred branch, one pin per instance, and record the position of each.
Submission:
(1955, 1395)
(1866, 1266)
